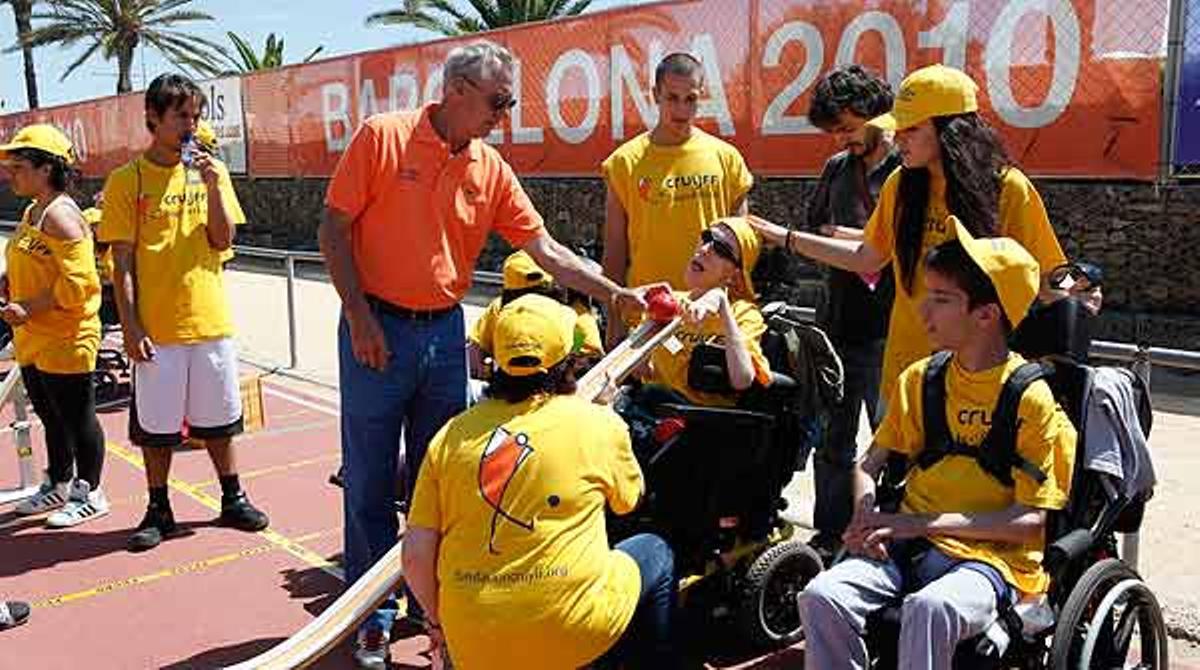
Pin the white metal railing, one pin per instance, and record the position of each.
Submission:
(1142, 357)
(290, 258)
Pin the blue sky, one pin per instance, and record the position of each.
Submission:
(305, 24)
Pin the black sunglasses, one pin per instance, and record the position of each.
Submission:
(497, 101)
(721, 247)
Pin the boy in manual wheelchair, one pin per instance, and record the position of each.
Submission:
(1001, 553)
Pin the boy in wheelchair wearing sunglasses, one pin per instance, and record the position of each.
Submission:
(716, 353)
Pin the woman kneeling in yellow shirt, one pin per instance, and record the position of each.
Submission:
(722, 324)
(51, 296)
(506, 546)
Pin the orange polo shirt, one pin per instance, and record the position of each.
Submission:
(422, 214)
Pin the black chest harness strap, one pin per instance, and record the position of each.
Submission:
(997, 454)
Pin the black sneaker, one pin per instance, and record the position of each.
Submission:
(237, 512)
(156, 526)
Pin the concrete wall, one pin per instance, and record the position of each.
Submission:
(1146, 238)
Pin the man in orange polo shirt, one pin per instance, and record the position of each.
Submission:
(407, 212)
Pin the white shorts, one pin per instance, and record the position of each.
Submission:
(197, 383)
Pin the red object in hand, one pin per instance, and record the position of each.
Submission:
(661, 304)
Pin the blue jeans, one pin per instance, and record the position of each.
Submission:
(648, 641)
(422, 387)
(833, 464)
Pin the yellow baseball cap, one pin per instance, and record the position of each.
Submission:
(1013, 270)
(44, 137)
(749, 246)
(533, 334)
(520, 271)
(934, 90)
(205, 136)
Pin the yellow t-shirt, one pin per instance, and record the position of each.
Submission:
(1045, 438)
(671, 194)
(587, 331)
(180, 289)
(63, 339)
(1022, 217)
(669, 362)
(517, 493)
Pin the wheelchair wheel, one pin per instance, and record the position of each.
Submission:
(1096, 628)
(767, 612)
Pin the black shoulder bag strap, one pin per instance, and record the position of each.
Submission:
(933, 411)
(998, 451)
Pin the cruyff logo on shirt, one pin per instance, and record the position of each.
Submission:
(502, 457)
(33, 246)
(694, 338)
(696, 181)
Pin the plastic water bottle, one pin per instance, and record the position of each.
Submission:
(187, 150)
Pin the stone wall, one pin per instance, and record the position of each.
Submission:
(1146, 237)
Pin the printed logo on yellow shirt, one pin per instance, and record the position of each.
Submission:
(644, 186)
(33, 246)
(676, 188)
(694, 181)
(502, 457)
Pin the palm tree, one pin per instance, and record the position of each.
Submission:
(116, 28)
(23, 13)
(443, 16)
(272, 56)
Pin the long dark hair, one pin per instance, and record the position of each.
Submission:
(974, 161)
(62, 176)
(558, 380)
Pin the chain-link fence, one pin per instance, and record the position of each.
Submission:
(1184, 68)
(1079, 90)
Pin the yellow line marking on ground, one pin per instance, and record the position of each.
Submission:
(191, 567)
(294, 465)
(195, 493)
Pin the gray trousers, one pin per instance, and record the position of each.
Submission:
(951, 601)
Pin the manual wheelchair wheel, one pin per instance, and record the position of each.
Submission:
(1109, 606)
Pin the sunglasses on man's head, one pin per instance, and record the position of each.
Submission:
(721, 247)
(499, 102)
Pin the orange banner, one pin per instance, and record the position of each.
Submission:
(1074, 86)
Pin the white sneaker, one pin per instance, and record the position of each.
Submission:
(49, 497)
(84, 504)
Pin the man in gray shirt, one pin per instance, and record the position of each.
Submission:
(855, 312)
